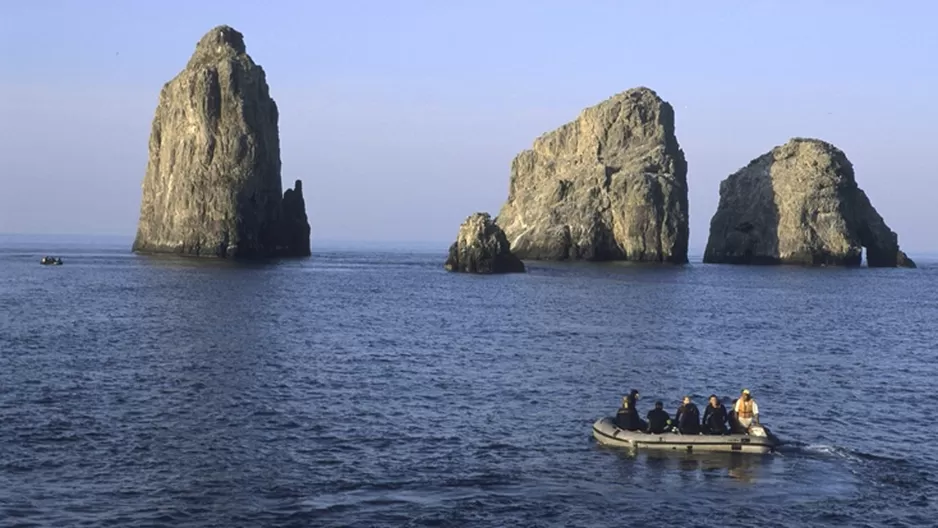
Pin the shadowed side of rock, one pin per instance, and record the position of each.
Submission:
(881, 242)
(212, 185)
(295, 228)
(799, 204)
(744, 229)
(610, 185)
(481, 247)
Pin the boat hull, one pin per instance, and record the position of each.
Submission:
(606, 433)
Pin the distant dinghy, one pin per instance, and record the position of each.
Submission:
(50, 261)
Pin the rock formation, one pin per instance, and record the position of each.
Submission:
(212, 185)
(799, 204)
(611, 185)
(481, 247)
(295, 225)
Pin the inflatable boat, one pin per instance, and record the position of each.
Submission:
(759, 440)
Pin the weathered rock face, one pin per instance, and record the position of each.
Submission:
(611, 185)
(481, 247)
(799, 204)
(212, 185)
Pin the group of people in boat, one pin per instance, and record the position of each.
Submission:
(50, 260)
(716, 419)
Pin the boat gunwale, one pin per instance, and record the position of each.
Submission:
(761, 441)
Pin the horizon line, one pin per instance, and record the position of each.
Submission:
(333, 241)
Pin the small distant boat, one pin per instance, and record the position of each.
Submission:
(759, 440)
(51, 261)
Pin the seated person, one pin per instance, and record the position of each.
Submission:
(688, 417)
(731, 420)
(627, 415)
(746, 411)
(714, 418)
(659, 420)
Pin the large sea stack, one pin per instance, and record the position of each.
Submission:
(481, 247)
(800, 204)
(611, 185)
(212, 186)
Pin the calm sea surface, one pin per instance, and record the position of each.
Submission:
(375, 389)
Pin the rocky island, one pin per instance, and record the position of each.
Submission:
(800, 204)
(611, 185)
(212, 185)
(481, 247)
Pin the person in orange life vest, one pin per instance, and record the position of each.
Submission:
(747, 410)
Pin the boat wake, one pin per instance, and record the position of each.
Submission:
(819, 450)
(829, 451)
(887, 474)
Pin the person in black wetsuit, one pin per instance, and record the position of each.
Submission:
(731, 420)
(659, 420)
(624, 415)
(714, 418)
(627, 415)
(688, 417)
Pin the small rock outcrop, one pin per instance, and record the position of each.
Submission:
(481, 247)
(212, 185)
(799, 204)
(295, 229)
(611, 185)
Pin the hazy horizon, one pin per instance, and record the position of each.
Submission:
(402, 119)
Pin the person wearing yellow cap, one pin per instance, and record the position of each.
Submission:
(747, 410)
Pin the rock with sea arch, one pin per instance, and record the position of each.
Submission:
(800, 204)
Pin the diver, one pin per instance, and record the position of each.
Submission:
(688, 417)
(627, 415)
(714, 418)
(747, 411)
(659, 420)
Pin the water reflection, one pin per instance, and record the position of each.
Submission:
(182, 262)
(745, 468)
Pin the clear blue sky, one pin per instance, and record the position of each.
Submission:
(402, 117)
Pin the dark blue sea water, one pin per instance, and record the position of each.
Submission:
(364, 388)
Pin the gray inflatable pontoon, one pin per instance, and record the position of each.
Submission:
(759, 440)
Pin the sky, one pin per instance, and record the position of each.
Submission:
(402, 117)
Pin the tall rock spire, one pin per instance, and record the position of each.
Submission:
(212, 185)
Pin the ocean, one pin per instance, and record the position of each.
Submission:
(372, 388)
